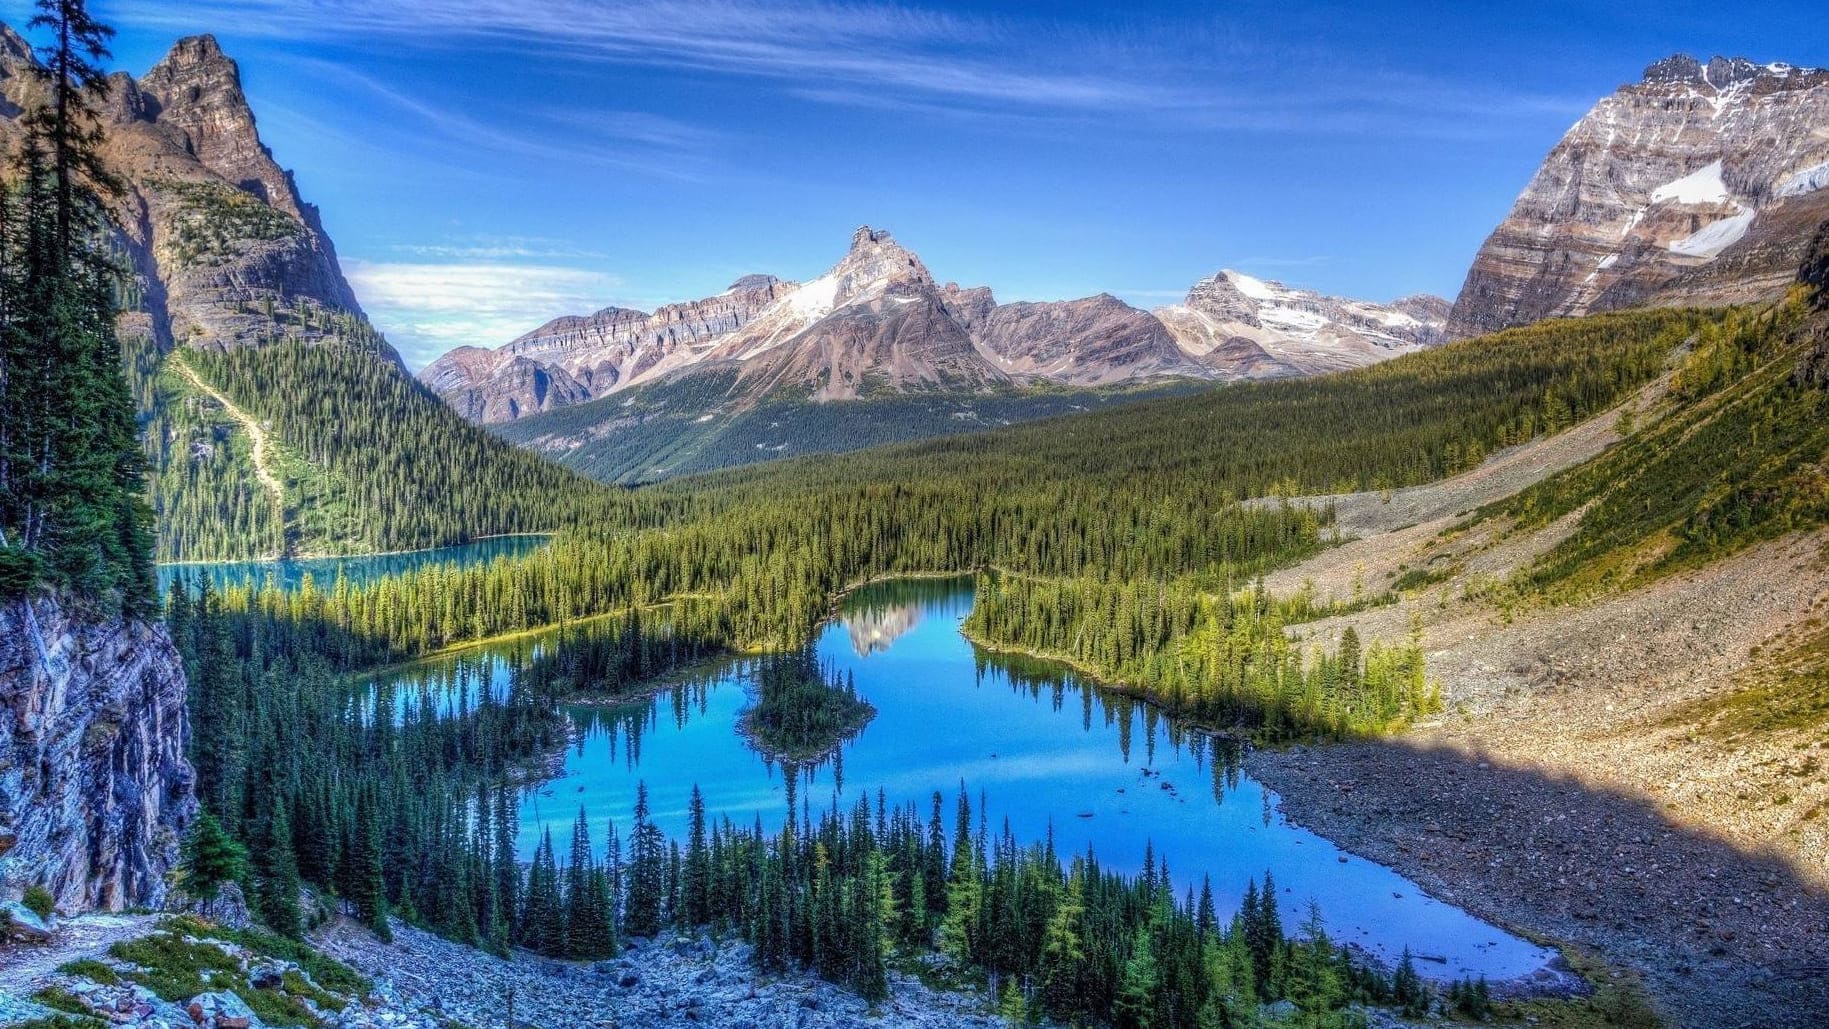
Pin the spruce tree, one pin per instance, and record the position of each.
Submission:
(278, 885)
(647, 884)
(1062, 952)
(1137, 990)
(71, 477)
(210, 858)
(697, 869)
(543, 916)
(365, 877)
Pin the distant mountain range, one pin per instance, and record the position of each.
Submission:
(877, 323)
(1701, 184)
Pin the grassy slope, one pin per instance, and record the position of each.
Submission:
(1738, 458)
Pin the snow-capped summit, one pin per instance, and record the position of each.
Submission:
(1250, 327)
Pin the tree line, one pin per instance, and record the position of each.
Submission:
(72, 514)
(1221, 660)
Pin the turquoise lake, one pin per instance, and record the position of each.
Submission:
(1047, 752)
(357, 569)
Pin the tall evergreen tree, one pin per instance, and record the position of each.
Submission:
(71, 477)
(210, 858)
(278, 884)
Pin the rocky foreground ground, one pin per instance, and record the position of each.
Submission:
(420, 981)
(672, 980)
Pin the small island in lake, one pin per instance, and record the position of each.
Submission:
(803, 711)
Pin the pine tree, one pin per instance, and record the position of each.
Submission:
(210, 858)
(1137, 991)
(647, 871)
(278, 885)
(70, 462)
(1012, 1006)
(874, 901)
(543, 917)
(1408, 989)
(698, 869)
(1063, 952)
(365, 876)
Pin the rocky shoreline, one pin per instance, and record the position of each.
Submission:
(1720, 938)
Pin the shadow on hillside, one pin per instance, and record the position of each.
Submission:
(1723, 936)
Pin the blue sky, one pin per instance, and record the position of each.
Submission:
(486, 164)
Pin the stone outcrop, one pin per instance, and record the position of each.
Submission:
(94, 787)
(1699, 184)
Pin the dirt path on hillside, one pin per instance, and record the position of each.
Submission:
(24, 969)
(262, 449)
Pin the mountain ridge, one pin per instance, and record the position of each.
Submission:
(227, 266)
(879, 321)
(1699, 184)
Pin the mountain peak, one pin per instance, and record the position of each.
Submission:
(13, 46)
(874, 262)
(752, 282)
(197, 89)
(865, 236)
(198, 52)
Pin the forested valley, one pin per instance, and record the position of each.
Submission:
(1143, 577)
(402, 805)
(1129, 543)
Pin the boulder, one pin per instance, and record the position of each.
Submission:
(24, 925)
(267, 975)
(220, 1009)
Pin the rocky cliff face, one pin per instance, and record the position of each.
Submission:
(1813, 368)
(1097, 341)
(1248, 328)
(1699, 184)
(231, 254)
(94, 787)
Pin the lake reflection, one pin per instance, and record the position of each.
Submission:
(1047, 753)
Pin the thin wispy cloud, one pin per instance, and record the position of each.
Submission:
(1199, 76)
(628, 140)
(427, 308)
(503, 248)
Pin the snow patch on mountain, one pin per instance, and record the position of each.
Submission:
(815, 299)
(1715, 237)
(1702, 186)
(1807, 181)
